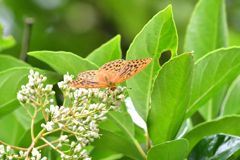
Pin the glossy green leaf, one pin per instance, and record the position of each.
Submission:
(158, 35)
(232, 99)
(207, 28)
(63, 62)
(215, 147)
(11, 82)
(227, 125)
(5, 42)
(109, 51)
(171, 150)
(170, 98)
(212, 72)
(116, 143)
(7, 62)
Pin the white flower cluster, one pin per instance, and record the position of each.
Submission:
(36, 155)
(6, 153)
(22, 155)
(79, 115)
(34, 89)
(88, 107)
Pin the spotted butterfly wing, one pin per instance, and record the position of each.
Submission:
(88, 79)
(110, 74)
(112, 69)
(131, 68)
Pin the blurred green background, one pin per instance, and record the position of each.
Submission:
(81, 26)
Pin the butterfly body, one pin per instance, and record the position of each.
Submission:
(110, 74)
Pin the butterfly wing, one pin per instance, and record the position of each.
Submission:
(112, 69)
(131, 68)
(88, 79)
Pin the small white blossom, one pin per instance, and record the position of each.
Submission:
(67, 78)
(48, 126)
(20, 97)
(77, 148)
(8, 149)
(60, 84)
(63, 138)
(49, 87)
(73, 144)
(35, 153)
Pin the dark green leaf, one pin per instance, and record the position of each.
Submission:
(215, 147)
(227, 125)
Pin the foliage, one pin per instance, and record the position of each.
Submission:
(183, 101)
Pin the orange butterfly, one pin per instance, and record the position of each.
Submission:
(110, 74)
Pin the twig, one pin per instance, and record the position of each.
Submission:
(28, 21)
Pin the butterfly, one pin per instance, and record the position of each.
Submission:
(110, 74)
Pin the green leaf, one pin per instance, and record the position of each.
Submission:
(102, 154)
(158, 35)
(10, 62)
(170, 98)
(5, 42)
(63, 62)
(116, 143)
(109, 51)
(227, 125)
(212, 72)
(215, 147)
(211, 109)
(207, 29)
(11, 82)
(231, 101)
(11, 129)
(123, 120)
(172, 150)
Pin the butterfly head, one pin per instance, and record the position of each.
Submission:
(111, 86)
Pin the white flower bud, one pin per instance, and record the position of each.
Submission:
(101, 106)
(20, 97)
(21, 153)
(31, 72)
(49, 87)
(103, 118)
(44, 79)
(83, 152)
(73, 144)
(8, 149)
(60, 84)
(67, 78)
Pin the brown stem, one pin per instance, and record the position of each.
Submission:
(29, 21)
